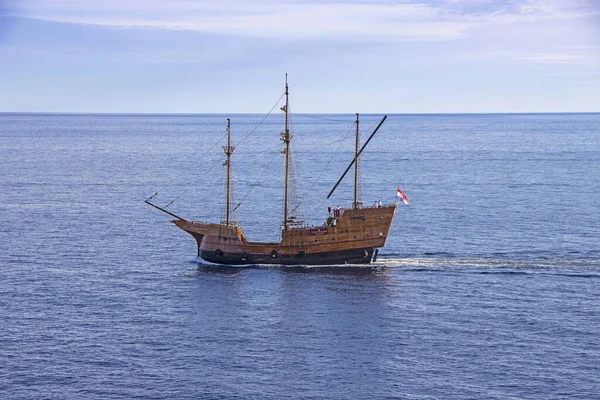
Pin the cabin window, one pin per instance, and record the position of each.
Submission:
(380, 234)
(381, 218)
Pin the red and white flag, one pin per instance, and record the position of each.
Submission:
(400, 195)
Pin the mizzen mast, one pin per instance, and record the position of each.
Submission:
(228, 151)
(356, 156)
(356, 203)
(287, 138)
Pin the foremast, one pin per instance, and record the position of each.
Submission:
(228, 151)
(286, 137)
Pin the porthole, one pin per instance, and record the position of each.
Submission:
(274, 253)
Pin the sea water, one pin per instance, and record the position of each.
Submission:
(488, 287)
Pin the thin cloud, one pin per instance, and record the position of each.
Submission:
(539, 57)
(529, 30)
(418, 20)
(266, 19)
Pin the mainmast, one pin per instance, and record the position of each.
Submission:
(228, 151)
(356, 203)
(287, 138)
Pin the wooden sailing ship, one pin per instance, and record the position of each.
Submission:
(348, 236)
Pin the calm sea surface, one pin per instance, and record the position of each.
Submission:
(488, 288)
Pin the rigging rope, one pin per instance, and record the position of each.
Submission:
(187, 188)
(342, 141)
(186, 170)
(326, 199)
(294, 184)
(262, 120)
(279, 150)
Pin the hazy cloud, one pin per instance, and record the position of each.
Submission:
(383, 20)
(401, 55)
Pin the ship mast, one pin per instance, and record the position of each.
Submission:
(228, 151)
(355, 204)
(287, 138)
(356, 156)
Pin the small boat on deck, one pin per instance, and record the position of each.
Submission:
(352, 235)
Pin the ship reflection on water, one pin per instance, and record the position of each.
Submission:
(350, 269)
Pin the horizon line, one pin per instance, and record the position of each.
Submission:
(81, 113)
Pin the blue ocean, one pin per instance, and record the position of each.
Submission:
(488, 287)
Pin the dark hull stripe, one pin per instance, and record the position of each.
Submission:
(354, 256)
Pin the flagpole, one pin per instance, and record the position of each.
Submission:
(396, 197)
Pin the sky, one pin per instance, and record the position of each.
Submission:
(367, 56)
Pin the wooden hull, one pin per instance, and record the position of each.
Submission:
(350, 238)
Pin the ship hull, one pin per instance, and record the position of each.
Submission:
(350, 237)
(353, 256)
